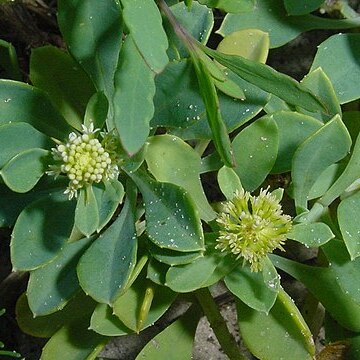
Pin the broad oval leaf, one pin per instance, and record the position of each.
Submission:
(228, 181)
(67, 85)
(143, 20)
(323, 151)
(53, 285)
(20, 102)
(20, 136)
(255, 150)
(25, 169)
(295, 7)
(270, 336)
(105, 267)
(133, 97)
(172, 220)
(41, 232)
(172, 160)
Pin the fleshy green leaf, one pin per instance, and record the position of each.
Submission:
(9, 62)
(311, 234)
(293, 129)
(93, 41)
(41, 232)
(172, 160)
(18, 137)
(230, 6)
(255, 150)
(250, 288)
(295, 7)
(172, 221)
(345, 270)
(53, 285)
(127, 306)
(45, 326)
(272, 336)
(268, 79)
(161, 347)
(20, 102)
(24, 170)
(96, 111)
(74, 341)
(104, 322)
(105, 267)
(348, 211)
(87, 212)
(108, 196)
(133, 97)
(316, 148)
(345, 49)
(67, 85)
(143, 20)
(228, 181)
(321, 282)
(271, 16)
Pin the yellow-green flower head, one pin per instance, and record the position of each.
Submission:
(84, 159)
(252, 226)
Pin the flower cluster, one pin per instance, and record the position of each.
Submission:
(252, 226)
(84, 159)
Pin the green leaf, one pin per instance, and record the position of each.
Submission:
(41, 232)
(345, 49)
(171, 257)
(69, 88)
(20, 102)
(255, 149)
(272, 336)
(143, 20)
(251, 44)
(51, 287)
(93, 42)
(133, 97)
(161, 347)
(24, 170)
(230, 6)
(271, 16)
(127, 306)
(295, 7)
(156, 272)
(321, 282)
(9, 62)
(350, 228)
(311, 234)
(319, 83)
(75, 342)
(268, 79)
(96, 111)
(87, 212)
(172, 160)
(46, 326)
(250, 288)
(314, 155)
(198, 22)
(190, 277)
(17, 137)
(106, 266)
(11, 203)
(172, 221)
(345, 270)
(218, 128)
(293, 129)
(104, 322)
(228, 181)
(109, 195)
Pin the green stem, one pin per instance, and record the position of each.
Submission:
(218, 324)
